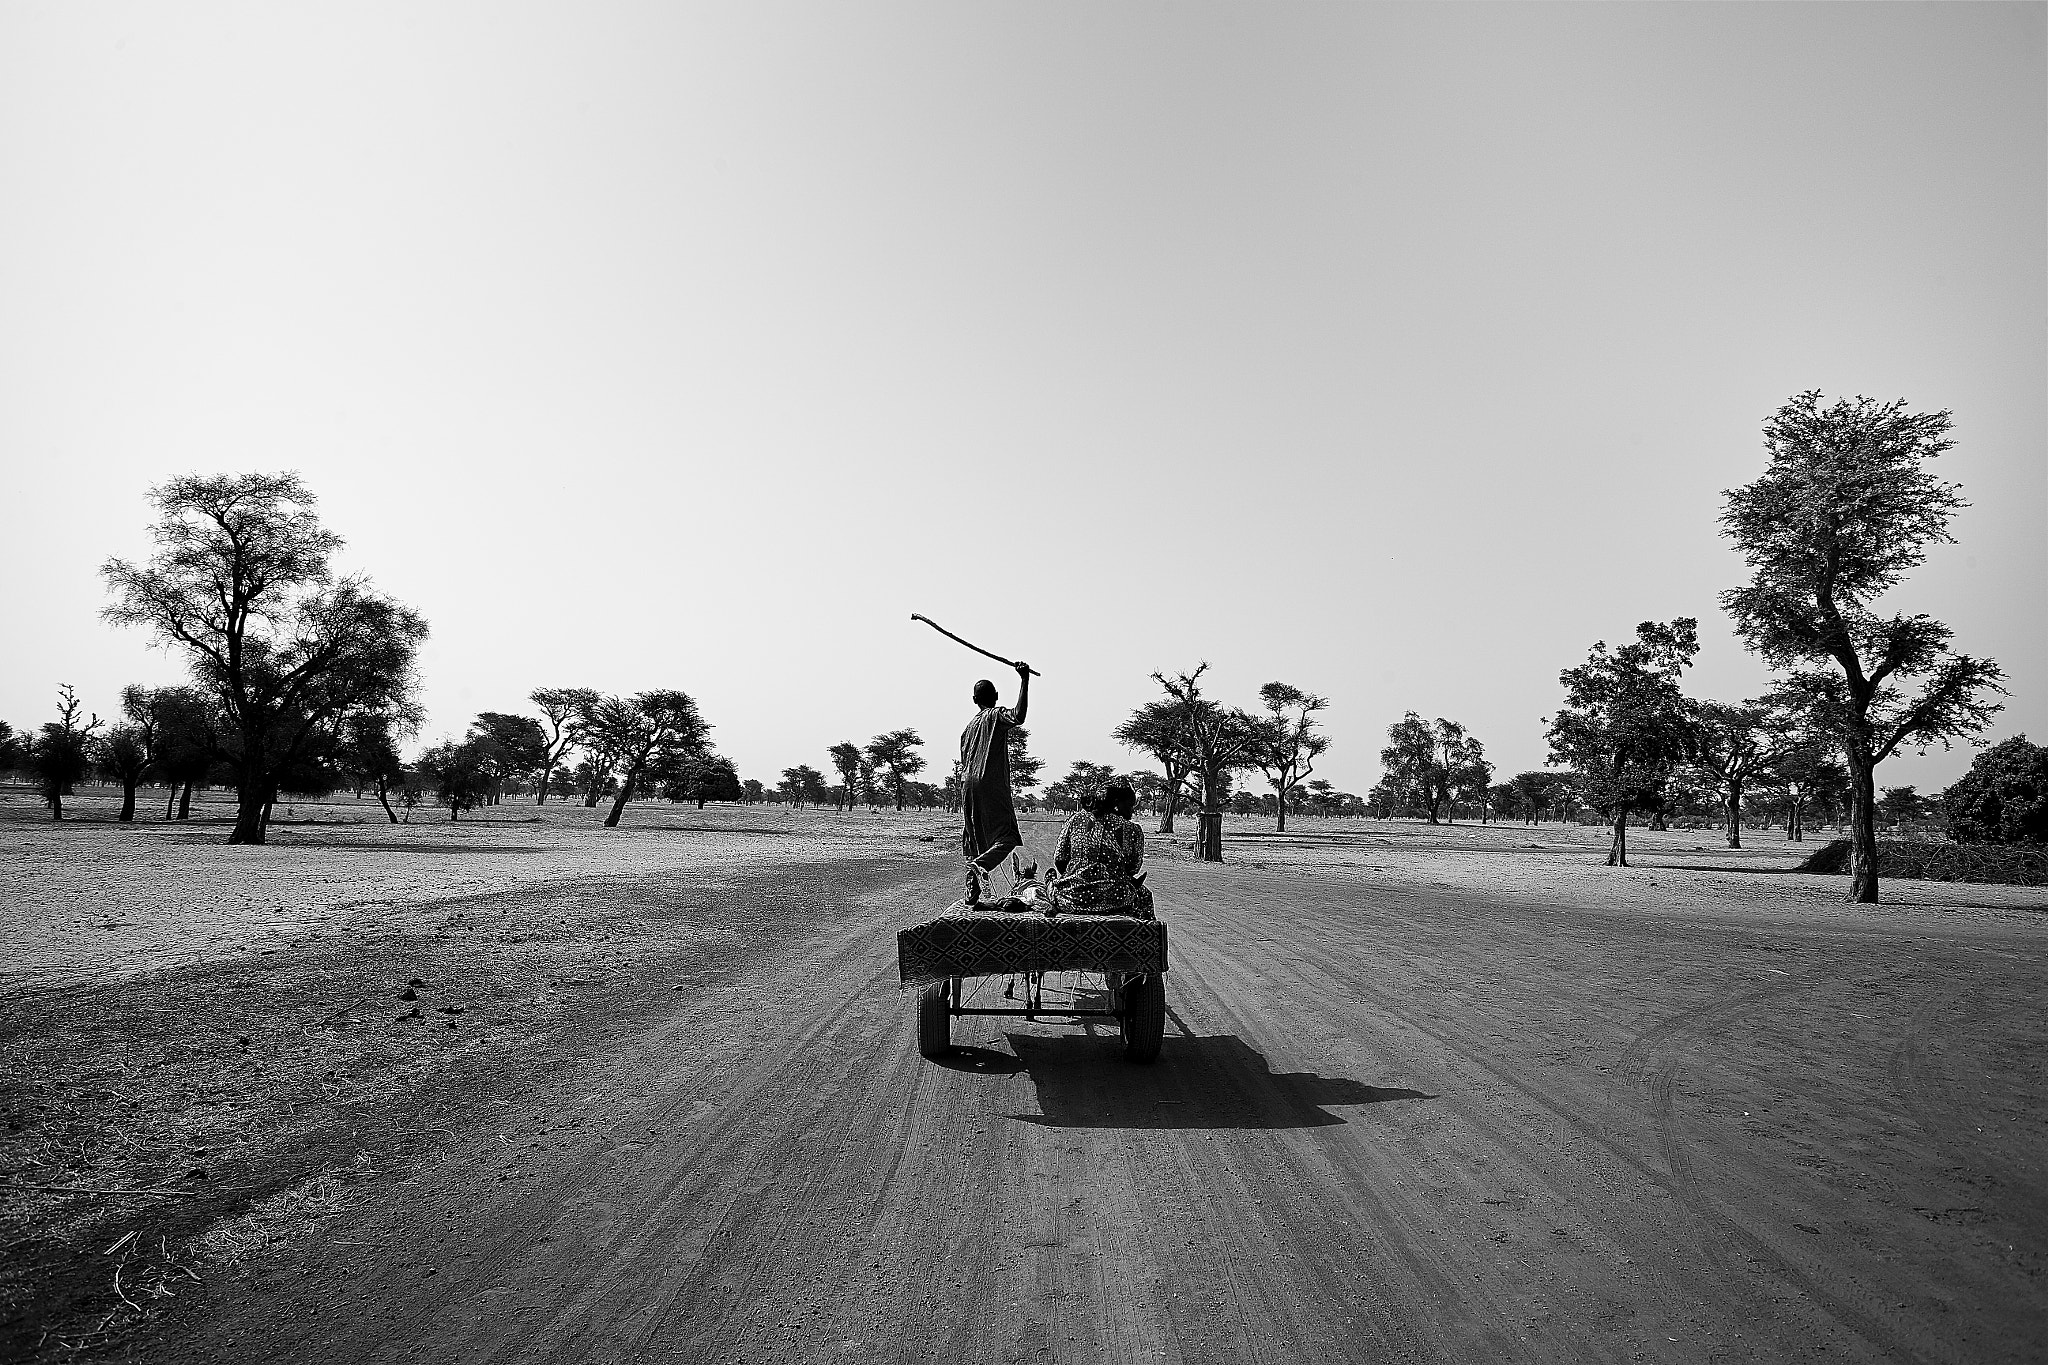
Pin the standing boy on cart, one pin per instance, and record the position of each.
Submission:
(990, 832)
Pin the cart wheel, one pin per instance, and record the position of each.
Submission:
(1144, 1017)
(934, 1022)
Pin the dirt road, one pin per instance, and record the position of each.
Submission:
(1392, 1121)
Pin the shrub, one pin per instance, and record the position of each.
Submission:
(2003, 799)
(1917, 860)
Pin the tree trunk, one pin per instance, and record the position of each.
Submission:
(1862, 829)
(248, 811)
(1281, 827)
(383, 800)
(127, 799)
(619, 802)
(544, 787)
(1734, 814)
(1617, 854)
(1209, 836)
(185, 802)
(171, 801)
(1795, 822)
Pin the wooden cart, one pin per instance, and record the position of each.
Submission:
(1129, 953)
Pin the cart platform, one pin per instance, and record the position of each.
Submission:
(964, 942)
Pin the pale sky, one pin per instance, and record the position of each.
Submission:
(1398, 352)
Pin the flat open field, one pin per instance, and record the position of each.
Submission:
(522, 1089)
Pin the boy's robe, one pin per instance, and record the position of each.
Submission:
(990, 817)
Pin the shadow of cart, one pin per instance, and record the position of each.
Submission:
(1201, 1082)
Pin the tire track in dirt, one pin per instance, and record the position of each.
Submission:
(1652, 1059)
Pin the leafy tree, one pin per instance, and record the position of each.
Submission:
(1625, 725)
(1844, 509)
(700, 777)
(462, 774)
(1466, 773)
(1215, 741)
(1289, 743)
(560, 706)
(590, 782)
(1157, 729)
(1534, 793)
(368, 755)
(187, 744)
(1431, 767)
(803, 783)
(132, 750)
(1807, 777)
(650, 728)
(897, 752)
(61, 755)
(240, 585)
(1737, 746)
(1899, 805)
(2003, 798)
(513, 747)
(1082, 779)
(753, 790)
(1024, 765)
(846, 759)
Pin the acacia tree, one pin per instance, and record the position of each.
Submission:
(1215, 741)
(368, 754)
(1625, 725)
(461, 773)
(132, 750)
(1739, 746)
(240, 585)
(1025, 766)
(62, 753)
(803, 783)
(1157, 729)
(560, 706)
(1461, 763)
(1535, 791)
(1289, 744)
(513, 747)
(1432, 766)
(188, 744)
(846, 760)
(1809, 774)
(661, 727)
(1843, 510)
(896, 751)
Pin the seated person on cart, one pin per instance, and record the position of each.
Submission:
(1097, 869)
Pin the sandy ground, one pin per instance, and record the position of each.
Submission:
(94, 900)
(1425, 1094)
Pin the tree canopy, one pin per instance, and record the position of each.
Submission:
(2003, 798)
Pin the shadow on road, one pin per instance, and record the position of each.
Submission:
(1214, 1082)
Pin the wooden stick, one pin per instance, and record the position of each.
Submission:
(971, 645)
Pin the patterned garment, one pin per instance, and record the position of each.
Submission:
(985, 782)
(1098, 860)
